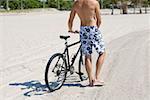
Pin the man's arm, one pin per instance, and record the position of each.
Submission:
(71, 18)
(98, 16)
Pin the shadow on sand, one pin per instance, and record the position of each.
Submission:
(34, 87)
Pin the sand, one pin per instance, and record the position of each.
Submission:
(29, 39)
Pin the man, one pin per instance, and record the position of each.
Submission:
(89, 14)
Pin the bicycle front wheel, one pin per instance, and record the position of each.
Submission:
(55, 73)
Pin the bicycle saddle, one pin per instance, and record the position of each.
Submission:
(64, 37)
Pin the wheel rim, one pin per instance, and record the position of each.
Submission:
(82, 70)
(56, 73)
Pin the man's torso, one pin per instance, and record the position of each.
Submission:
(86, 12)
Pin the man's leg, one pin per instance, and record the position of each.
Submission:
(99, 64)
(88, 64)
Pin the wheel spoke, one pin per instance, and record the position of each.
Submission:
(56, 72)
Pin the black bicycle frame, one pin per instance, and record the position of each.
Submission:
(66, 54)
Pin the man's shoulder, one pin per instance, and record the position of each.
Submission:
(96, 2)
(78, 2)
(75, 4)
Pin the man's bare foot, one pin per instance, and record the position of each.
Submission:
(98, 83)
(87, 84)
(91, 84)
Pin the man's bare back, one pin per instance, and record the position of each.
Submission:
(88, 12)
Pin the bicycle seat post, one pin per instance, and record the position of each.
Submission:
(66, 42)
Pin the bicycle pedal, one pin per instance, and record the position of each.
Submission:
(79, 73)
(84, 77)
(71, 72)
(71, 69)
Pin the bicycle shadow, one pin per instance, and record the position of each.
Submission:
(35, 87)
(73, 84)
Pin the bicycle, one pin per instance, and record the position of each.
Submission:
(59, 65)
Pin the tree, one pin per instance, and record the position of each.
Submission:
(124, 6)
(113, 2)
(138, 3)
(145, 3)
(106, 3)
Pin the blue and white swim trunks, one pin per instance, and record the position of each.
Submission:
(90, 37)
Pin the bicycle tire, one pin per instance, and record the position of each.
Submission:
(47, 72)
(81, 69)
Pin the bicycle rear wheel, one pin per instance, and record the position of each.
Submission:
(82, 69)
(55, 73)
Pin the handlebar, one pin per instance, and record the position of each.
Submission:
(75, 32)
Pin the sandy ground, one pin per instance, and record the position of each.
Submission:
(28, 40)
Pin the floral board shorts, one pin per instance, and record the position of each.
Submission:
(90, 37)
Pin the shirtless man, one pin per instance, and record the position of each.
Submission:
(89, 14)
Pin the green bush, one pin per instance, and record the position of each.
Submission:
(60, 4)
(65, 5)
(106, 3)
(32, 4)
(52, 3)
(16, 4)
(12, 4)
